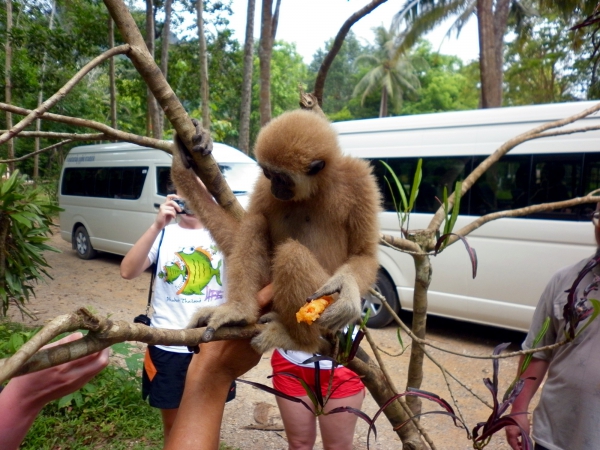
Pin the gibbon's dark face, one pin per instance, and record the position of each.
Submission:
(286, 186)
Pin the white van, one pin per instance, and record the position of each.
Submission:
(516, 256)
(110, 193)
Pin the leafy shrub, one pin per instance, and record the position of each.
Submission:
(25, 220)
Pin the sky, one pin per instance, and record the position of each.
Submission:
(310, 23)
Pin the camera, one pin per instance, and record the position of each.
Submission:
(181, 203)
(143, 319)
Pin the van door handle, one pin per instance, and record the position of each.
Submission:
(157, 205)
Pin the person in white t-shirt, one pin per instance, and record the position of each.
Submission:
(189, 274)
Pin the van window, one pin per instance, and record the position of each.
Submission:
(163, 181)
(516, 181)
(107, 182)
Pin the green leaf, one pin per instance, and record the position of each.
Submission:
(65, 401)
(398, 185)
(414, 191)
(456, 206)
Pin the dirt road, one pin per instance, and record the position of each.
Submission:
(97, 284)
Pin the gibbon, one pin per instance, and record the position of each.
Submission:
(311, 229)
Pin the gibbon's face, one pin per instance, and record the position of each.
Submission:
(290, 185)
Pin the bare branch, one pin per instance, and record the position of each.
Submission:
(53, 146)
(115, 134)
(535, 133)
(590, 198)
(337, 45)
(36, 113)
(401, 244)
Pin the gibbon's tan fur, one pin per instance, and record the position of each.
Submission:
(318, 237)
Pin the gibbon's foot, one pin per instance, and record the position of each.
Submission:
(274, 334)
(226, 315)
(269, 317)
(202, 142)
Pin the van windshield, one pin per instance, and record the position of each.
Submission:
(240, 176)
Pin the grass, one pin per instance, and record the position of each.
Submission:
(107, 413)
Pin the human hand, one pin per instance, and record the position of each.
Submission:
(24, 397)
(167, 211)
(50, 384)
(513, 433)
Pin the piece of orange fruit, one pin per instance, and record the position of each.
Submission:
(313, 310)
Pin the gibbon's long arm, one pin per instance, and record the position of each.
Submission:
(219, 223)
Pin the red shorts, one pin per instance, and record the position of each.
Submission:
(345, 382)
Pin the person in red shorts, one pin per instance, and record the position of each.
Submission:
(337, 430)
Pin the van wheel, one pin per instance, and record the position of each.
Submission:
(380, 316)
(83, 245)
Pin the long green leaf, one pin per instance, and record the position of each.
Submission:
(456, 206)
(596, 305)
(414, 191)
(398, 185)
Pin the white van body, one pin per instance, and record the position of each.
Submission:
(98, 215)
(517, 256)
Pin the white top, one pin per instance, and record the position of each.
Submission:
(189, 275)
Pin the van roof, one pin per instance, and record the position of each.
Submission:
(459, 133)
(221, 152)
(507, 115)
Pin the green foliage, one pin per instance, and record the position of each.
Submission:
(25, 219)
(446, 85)
(543, 67)
(404, 206)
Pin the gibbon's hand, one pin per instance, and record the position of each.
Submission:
(346, 308)
(201, 143)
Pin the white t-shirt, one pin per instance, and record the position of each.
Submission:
(189, 275)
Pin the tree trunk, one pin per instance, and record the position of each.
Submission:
(10, 145)
(164, 53)
(492, 19)
(419, 328)
(383, 104)
(111, 75)
(244, 141)
(153, 127)
(268, 29)
(203, 66)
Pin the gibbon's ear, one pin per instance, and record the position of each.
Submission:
(315, 167)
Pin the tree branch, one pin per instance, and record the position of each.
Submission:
(337, 45)
(40, 110)
(115, 134)
(206, 166)
(535, 133)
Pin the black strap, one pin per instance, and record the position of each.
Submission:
(154, 271)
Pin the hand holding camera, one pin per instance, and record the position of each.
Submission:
(181, 203)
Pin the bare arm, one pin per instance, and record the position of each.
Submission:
(24, 397)
(209, 377)
(136, 260)
(537, 369)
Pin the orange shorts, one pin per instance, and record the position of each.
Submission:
(345, 382)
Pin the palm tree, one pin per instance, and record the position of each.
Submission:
(421, 16)
(392, 72)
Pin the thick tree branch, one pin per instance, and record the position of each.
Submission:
(103, 333)
(206, 166)
(40, 110)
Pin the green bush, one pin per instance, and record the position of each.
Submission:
(25, 220)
